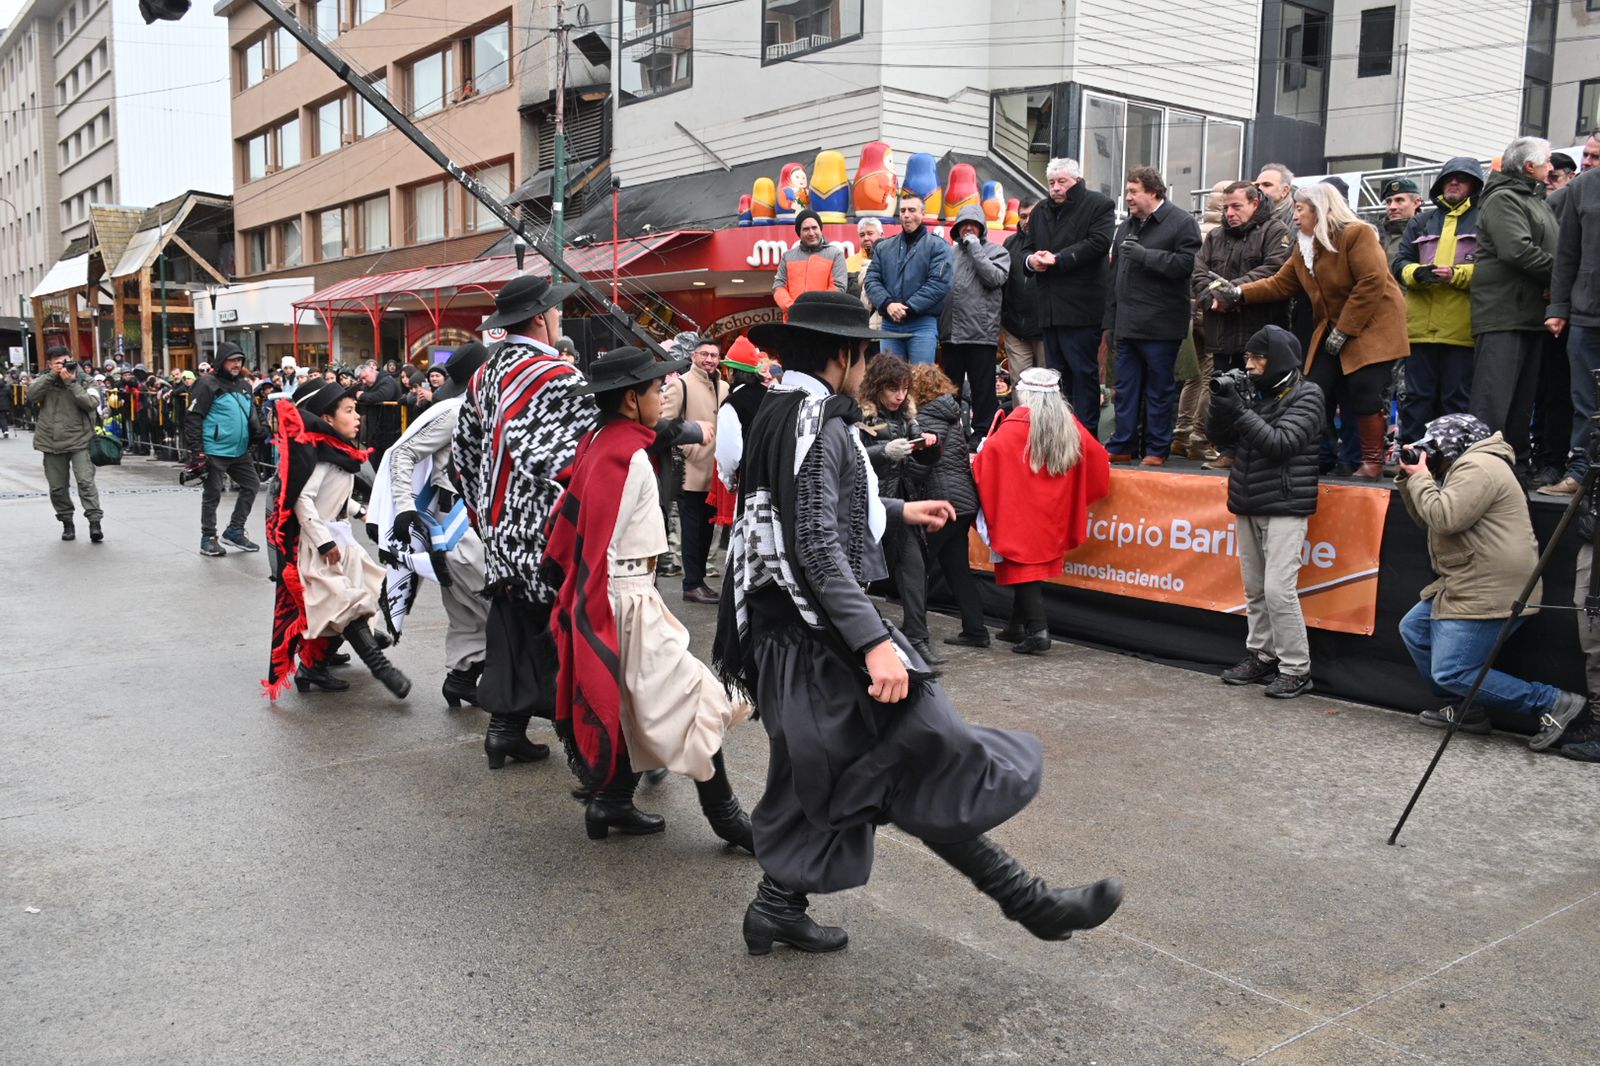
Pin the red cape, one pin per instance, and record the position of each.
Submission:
(1034, 519)
(588, 685)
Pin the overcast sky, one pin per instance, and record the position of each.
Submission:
(9, 9)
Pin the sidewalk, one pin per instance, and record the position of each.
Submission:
(328, 880)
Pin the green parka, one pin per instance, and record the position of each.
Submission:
(1516, 253)
(66, 414)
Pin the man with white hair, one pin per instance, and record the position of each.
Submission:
(1068, 238)
(1511, 275)
(1276, 182)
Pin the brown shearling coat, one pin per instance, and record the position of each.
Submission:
(695, 397)
(1351, 289)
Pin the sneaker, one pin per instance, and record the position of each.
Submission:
(1586, 751)
(235, 538)
(1476, 721)
(1571, 709)
(209, 546)
(1288, 686)
(1251, 670)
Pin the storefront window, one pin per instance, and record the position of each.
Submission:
(1143, 139)
(375, 224)
(330, 232)
(1191, 151)
(490, 66)
(657, 47)
(794, 27)
(1024, 127)
(497, 180)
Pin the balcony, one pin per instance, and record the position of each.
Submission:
(798, 45)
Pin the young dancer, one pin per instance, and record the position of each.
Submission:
(860, 736)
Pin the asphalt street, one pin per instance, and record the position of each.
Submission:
(190, 874)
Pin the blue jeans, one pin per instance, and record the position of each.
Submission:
(1074, 353)
(1583, 354)
(922, 343)
(1147, 385)
(1450, 653)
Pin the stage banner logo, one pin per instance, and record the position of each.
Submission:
(1170, 537)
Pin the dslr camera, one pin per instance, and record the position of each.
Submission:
(71, 366)
(1235, 380)
(1411, 454)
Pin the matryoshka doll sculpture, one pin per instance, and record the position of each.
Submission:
(793, 192)
(1013, 219)
(830, 187)
(922, 179)
(876, 186)
(763, 203)
(961, 191)
(994, 204)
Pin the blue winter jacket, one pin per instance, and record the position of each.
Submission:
(912, 272)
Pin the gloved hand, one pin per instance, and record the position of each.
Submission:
(404, 524)
(1424, 275)
(1228, 403)
(1132, 251)
(1227, 294)
(970, 242)
(898, 449)
(1334, 342)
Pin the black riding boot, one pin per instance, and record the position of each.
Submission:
(1048, 913)
(366, 646)
(612, 808)
(722, 809)
(460, 686)
(317, 677)
(778, 915)
(507, 738)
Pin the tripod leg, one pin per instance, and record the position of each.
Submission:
(1500, 638)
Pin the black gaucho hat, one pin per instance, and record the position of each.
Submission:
(623, 368)
(318, 397)
(523, 297)
(459, 368)
(830, 314)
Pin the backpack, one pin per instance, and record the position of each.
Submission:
(104, 449)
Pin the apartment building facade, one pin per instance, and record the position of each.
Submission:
(99, 108)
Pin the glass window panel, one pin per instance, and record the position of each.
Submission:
(1588, 108)
(289, 143)
(490, 66)
(256, 157)
(372, 120)
(330, 232)
(1375, 57)
(1024, 129)
(330, 125)
(1144, 137)
(430, 81)
(289, 235)
(1302, 79)
(366, 10)
(657, 47)
(427, 212)
(1224, 151)
(375, 224)
(794, 27)
(256, 244)
(288, 49)
(255, 62)
(327, 19)
(497, 180)
(1103, 121)
(1185, 149)
(1535, 107)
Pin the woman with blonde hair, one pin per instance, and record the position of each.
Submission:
(1037, 474)
(1340, 265)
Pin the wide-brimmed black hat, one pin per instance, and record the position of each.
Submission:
(459, 368)
(623, 368)
(830, 314)
(523, 297)
(318, 397)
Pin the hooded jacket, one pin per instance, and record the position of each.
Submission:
(1071, 294)
(1575, 285)
(1277, 441)
(1256, 250)
(1516, 253)
(221, 419)
(1480, 536)
(977, 286)
(1441, 313)
(1149, 300)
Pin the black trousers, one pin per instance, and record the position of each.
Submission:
(1505, 380)
(242, 468)
(903, 551)
(1074, 352)
(1027, 606)
(694, 518)
(973, 363)
(520, 664)
(1553, 404)
(949, 549)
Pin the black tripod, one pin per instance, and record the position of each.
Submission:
(1591, 604)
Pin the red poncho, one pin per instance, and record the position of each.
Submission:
(1035, 519)
(588, 686)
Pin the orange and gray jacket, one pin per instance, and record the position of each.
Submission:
(805, 269)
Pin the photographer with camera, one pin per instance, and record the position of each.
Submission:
(1273, 418)
(62, 431)
(1459, 483)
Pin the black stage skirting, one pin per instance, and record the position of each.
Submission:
(1375, 669)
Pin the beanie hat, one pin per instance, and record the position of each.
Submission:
(743, 355)
(799, 220)
(1282, 350)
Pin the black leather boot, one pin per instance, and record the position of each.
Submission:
(335, 657)
(1048, 913)
(612, 808)
(507, 738)
(777, 915)
(722, 809)
(317, 677)
(460, 687)
(68, 530)
(96, 534)
(366, 646)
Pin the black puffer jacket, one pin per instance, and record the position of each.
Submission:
(897, 479)
(1276, 441)
(951, 477)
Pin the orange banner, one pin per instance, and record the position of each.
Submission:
(1170, 537)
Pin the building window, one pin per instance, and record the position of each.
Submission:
(330, 234)
(794, 27)
(289, 243)
(255, 250)
(489, 55)
(330, 125)
(286, 140)
(253, 63)
(1224, 150)
(1535, 107)
(255, 157)
(1542, 27)
(1192, 151)
(657, 47)
(325, 16)
(1302, 81)
(428, 212)
(288, 49)
(365, 10)
(370, 119)
(1024, 124)
(428, 82)
(375, 224)
(1588, 103)
(1376, 56)
(496, 180)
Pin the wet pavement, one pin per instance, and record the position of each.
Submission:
(189, 874)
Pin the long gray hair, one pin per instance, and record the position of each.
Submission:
(1052, 432)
